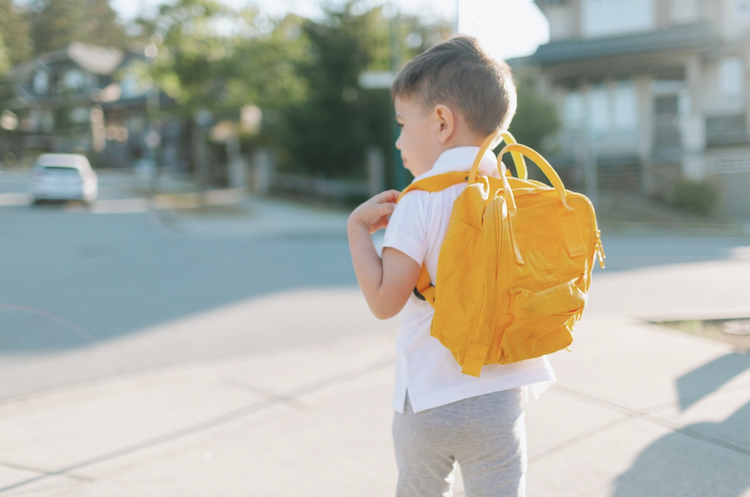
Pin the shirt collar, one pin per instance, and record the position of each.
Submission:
(461, 159)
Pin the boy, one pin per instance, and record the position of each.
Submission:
(447, 100)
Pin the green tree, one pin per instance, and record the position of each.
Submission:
(193, 62)
(4, 57)
(215, 72)
(303, 74)
(328, 133)
(57, 23)
(264, 66)
(103, 27)
(536, 118)
(203, 68)
(14, 31)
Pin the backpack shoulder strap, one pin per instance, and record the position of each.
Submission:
(436, 183)
(425, 290)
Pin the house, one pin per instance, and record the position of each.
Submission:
(90, 98)
(651, 92)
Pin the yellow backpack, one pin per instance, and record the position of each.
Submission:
(515, 265)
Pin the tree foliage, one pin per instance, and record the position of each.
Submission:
(192, 62)
(328, 130)
(103, 27)
(302, 73)
(4, 57)
(57, 23)
(217, 59)
(14, 33)
(536, 117)
(328, 133)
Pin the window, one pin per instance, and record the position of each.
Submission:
(625, 107)
(128, 85)
(611, 17)
(573, 112)
(73, 79)
(79, 115)
(46, 121)
(606, 110)
(667, 130)
(134, 80)
(41, 82)
(598, 110)
(731, 80)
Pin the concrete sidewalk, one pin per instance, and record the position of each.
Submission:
(638, 410)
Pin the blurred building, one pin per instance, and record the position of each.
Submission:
(91, 99)
(652, 91)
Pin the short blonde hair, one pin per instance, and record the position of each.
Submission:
(460, 73)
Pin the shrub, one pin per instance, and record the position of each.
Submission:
(698, 197)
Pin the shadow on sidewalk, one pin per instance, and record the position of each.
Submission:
(700, 459)
(708, 378)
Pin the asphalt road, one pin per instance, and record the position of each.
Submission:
(88, 293)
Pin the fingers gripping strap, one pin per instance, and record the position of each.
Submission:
(474, 359)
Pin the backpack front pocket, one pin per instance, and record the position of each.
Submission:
(539, 321)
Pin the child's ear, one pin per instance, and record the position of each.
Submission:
(446, 122)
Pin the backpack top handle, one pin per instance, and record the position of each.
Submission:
(518, 159)
(542, 163)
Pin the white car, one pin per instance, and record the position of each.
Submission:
(64, 177)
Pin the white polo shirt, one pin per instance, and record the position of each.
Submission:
(424, 367)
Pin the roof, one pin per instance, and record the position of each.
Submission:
(25, 69)
(689, 36)
(92, 58)
(95, 59)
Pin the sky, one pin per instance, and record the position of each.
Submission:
(506, 28)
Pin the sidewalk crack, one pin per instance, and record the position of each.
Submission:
(268, 394)
(43, 472)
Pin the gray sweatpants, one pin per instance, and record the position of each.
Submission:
(485, 434)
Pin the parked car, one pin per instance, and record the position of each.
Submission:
(64, 177)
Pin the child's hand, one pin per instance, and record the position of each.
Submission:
(373, 214)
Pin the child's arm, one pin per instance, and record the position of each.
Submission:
(386, 283)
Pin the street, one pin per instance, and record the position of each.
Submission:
(84, 294)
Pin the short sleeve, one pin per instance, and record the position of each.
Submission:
(406, 229)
